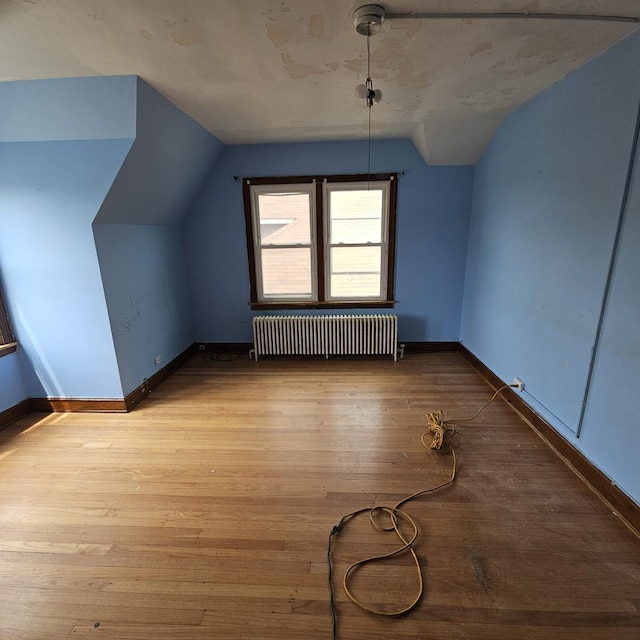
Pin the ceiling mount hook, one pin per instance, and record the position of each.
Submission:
(368, 19)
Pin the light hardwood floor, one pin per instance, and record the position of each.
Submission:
(205, 513)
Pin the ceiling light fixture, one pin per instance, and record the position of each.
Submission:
(368, 21)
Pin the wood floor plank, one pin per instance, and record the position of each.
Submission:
(205, 513)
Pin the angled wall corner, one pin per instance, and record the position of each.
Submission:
(62, 142)
(168, 163)
(139, 239)
(440, 138)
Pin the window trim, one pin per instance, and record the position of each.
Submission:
(260, 247)
(6, 349)
(8, 342)
(321, 245)
(383, 244)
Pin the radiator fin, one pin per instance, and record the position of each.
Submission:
(326, 335)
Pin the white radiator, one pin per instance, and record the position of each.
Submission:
(325, 335)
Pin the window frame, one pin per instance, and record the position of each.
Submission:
(327, 189)
(260, 247)
(320, 266)
(8, 343)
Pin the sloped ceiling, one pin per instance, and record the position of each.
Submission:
(256, 71)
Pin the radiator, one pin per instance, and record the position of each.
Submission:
(325, 335)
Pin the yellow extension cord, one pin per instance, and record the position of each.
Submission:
(438, 428)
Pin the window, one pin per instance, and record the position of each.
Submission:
(7, 341)
(321, 241)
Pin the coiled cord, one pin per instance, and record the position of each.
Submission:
(438, 428)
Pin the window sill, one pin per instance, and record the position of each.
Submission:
(347, 304)
(6, 349)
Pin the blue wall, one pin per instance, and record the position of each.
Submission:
(12, 389)
(145, 284)
(68, 109)
(62, 143)
(68, 159)
(547, 200)
(610, 433)
(139, 239)
(432, 231)
(49, 194)
(169, 161)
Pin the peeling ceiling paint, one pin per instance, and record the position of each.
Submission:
(186, 38)
(276, 70)
(278, 34)
(316, 25)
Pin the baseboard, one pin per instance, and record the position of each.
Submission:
(429, 347)
(13, 414)
(224, 347)
(137, 395)
(111, 405)
(80, 405)
(596, 479)
(245, 347)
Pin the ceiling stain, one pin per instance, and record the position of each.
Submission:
(478, 102)
(483, 46)
(386, 56)
(296, 70)
(333, 65)
(355, 64)
(186, 38)
(555, 49)
(410, 106)
(411, 27)
(316, 25)
(278, 34)
(406, 77)
(147, 35)
(532, 70)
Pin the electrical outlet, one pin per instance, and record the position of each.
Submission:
(157, 360)
(201, 347)
(518, 384)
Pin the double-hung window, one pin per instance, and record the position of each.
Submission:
(321, 241)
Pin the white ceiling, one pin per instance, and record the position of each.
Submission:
(285, 70)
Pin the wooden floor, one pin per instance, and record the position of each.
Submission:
(205, 513)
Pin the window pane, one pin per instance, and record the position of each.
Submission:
(355, 216)
(285, 218)
(286, 273)
(355, 272)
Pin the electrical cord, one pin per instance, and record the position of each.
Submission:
(220, 357)
(438, 427)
